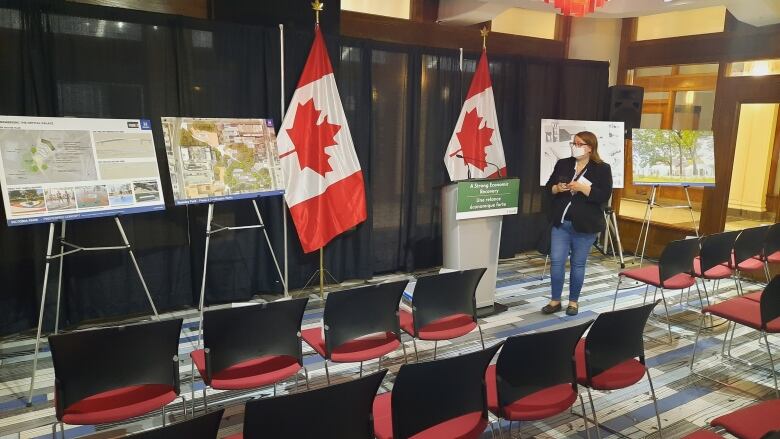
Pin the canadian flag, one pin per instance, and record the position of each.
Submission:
(324, 183)
(475, 146)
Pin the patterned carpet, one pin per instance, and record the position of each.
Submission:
(687, 401)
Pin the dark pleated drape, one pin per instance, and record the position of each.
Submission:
(65, 59)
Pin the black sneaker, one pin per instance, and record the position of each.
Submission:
(549, 309)
(572, 310)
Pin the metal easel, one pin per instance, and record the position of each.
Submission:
(69, 248)
(645, 229)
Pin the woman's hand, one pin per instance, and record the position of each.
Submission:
(560, 187)
(577, 186)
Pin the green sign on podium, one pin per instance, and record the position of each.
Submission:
(490, 197)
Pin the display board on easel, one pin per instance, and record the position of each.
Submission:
(681, 158)
(55, 169)
(220, 159)
(63, 169)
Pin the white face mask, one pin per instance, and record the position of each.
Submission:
(578, 151)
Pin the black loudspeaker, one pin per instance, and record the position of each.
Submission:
(293, 14)
(625, 105)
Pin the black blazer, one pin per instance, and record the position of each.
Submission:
(587, 213)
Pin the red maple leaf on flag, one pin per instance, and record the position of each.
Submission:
(473, 140)
(311, 139)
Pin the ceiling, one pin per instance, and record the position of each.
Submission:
(754, 12)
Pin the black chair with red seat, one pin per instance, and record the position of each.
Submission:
(612, 355)
(763, 316)
(772, 248)
(199, 427)
(251, 346)
(443, 398)
(444, 306)
(714, 260)
(108, 375)
(673, 272)
(359, 324)
(758, 421)
(338, 411)
(748, 254)
(535, 376)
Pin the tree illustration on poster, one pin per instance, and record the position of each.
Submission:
(673, 157)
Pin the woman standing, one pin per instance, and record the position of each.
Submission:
(580, 186)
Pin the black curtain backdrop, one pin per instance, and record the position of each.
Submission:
(63, 59)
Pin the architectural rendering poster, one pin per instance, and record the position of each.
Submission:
(673, 157)
(221, 159)
(57, 168)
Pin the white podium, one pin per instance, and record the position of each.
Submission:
(471, 243)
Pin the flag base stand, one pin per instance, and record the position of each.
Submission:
(214, 228)
(322, 273)
(68, 248)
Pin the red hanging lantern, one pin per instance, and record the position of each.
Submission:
(576, 8)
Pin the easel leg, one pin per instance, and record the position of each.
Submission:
(40, 313)
(649, 219)
(690, 209)
(268, 241)
(617, 238)
(209, 217)
(135, 264)
(59, 279)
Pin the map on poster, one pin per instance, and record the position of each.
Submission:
(556, 138)
(58, 168)
(221, 159)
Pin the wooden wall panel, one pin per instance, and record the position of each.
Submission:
(393, 30)
(189, 8)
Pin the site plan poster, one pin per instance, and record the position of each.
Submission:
(221, 159)
(57, 168)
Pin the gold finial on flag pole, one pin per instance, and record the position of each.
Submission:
(318, 7)
(484, 32)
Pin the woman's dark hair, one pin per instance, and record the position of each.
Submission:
(590, 139)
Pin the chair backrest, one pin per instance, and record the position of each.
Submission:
(716, 249)
(616, 336)
(427, 394)
(677, 258)
(233, 335)
(749, 243)
(770, 301)
(531, 362)
(201, 427)
(772, 240)
(362, 311)
(441, 295)
(338, 411)
(93, 361)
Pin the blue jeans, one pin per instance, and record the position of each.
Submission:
(565, 239)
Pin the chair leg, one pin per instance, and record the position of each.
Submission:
(327, 374)
(595, 418)
(725, 339)
(738, 282)
(655, 402)
(379, 364)
(416, 355)
(617, 288)
(183, 405)
(205, 401)
(644, 299)
(54, 430)
(696, 341)
(698, 291)
(766, 271)
(481, 337)
(163, 416)
(492, 432)
(403, 346)
(192, 385)
(772, 364)
(274, 389)
(668, 322)
(361, 369)
(435, 345)
(584, 415)
(731, 339)
(306, 376)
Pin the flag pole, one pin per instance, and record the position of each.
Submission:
(322, 272)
